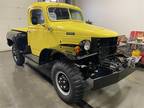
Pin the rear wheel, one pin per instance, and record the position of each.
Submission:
(68, 82)
(17, 56)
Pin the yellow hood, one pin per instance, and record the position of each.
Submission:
(82, 29)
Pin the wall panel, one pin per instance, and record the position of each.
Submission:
(119, 15)
(13, 14)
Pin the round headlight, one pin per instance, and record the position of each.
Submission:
(87, 45)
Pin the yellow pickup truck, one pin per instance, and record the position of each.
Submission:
(76, 51)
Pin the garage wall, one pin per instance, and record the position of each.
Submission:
(12, 14)
(119, 15)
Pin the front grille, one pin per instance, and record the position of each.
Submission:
(104, 46)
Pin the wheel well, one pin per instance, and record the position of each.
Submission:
(59, 56)
(17, 37)
(44, 56)
(48, 55)
(22, 41)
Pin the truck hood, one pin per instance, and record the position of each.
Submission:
(83, 29)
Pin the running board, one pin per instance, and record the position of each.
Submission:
(32, 58)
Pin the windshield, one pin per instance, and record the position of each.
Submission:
(64, 14)
(76, 15)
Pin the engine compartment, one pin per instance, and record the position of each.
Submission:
(106, 61)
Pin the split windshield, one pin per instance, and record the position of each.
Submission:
(64, 14)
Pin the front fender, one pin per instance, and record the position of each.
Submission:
(11, 35)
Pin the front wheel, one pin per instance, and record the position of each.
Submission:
(17, 56)
(68, 82)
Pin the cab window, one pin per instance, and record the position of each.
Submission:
(37, 17)
(58, 13)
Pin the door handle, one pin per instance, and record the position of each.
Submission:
(50, 29)
(29, 31)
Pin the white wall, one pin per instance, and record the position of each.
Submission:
(120, 15)
(12, 14)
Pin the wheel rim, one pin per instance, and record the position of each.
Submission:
(14, 54)
(62, 83)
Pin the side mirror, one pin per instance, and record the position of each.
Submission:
(34, 20)
(88, 22)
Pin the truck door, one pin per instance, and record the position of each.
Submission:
(36, 30)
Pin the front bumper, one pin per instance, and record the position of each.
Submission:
(112, 78)
(85, 57)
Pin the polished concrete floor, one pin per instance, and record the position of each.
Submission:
(23, 87)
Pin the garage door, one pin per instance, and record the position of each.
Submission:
(12, 14)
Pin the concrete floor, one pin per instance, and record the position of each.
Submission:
(22, 87)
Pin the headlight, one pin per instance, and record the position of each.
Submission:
(87, 45)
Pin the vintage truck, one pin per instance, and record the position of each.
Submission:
(76, 51)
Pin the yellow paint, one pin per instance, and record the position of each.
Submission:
(25, 29)
(39, 37)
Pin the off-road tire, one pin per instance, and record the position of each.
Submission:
(76, 82)
(17, 56)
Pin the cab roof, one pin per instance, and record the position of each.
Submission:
(53, 4)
